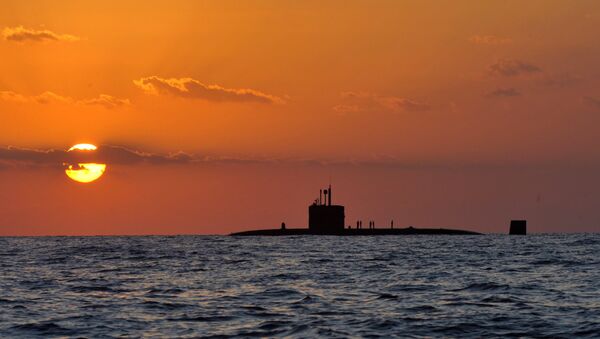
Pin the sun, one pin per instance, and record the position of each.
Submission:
(83, 147)
(84, 172)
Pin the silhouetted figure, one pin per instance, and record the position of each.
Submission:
(282, 225)
(392, 224)
(518, 227)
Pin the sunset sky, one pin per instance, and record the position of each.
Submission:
(219, 116)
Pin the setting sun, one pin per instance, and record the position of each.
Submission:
(84, 172)
(84, 147)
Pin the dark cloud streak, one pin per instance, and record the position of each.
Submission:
(114, 155)
(363, 102)
(489, 40)
(512, 68)
(504, 92)
(591, 101)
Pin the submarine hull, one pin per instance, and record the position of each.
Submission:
(356, 232)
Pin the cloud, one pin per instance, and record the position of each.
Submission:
(489, 40)
(12, 96)
(19, 157)
(362, 101)
(346, 108)
(30, 158)
(127, 156)
(27, 157)
(592, 101)
(21, 34)
(504, 92)
(50, 97)
(44, 98)
(23, 156)
(512, 67)
(104, 100)
(562, 80)
(404, 104)
(194, 89)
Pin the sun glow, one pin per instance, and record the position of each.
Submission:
(84, 172)
(83, 147)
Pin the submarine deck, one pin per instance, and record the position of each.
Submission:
(355, 231)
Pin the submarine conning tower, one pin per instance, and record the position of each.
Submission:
(518, 227)
(325, 217)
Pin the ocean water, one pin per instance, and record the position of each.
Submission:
(305, 286)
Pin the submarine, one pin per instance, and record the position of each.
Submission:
(324, 218)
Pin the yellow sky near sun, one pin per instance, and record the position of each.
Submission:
(432, 55)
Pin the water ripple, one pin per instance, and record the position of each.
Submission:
(221, 287)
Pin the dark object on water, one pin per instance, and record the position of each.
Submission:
(360, 231)
(327, 219)
(518, 227)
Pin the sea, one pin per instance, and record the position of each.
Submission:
(301, 286)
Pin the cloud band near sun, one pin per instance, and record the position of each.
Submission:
(17, 157)
(28, 157)
(194, 89)
(104, 100)
(20, 157)
(22, 34)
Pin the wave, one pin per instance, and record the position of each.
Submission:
(500, 299)
(203, 318)
(43, 328)
(485, 286)
(387, 296)
(300, 287)
(90, 289)
(163, 305)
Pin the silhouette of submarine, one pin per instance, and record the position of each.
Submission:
(327, 219)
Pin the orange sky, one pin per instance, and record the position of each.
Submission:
(433, 113)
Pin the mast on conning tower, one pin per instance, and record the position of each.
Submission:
(323, 216)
